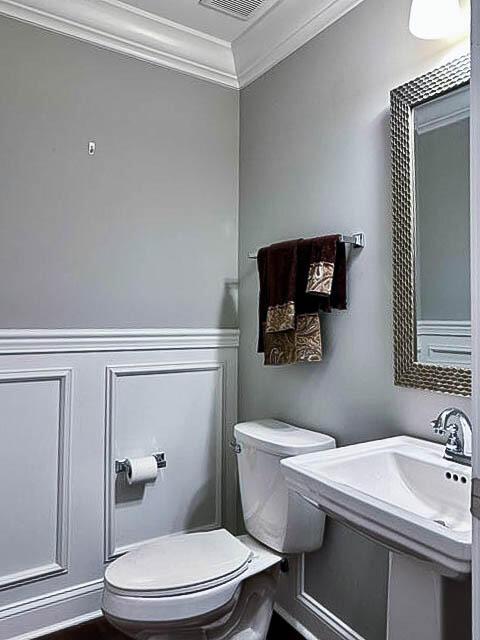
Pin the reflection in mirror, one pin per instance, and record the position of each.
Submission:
(442, 229)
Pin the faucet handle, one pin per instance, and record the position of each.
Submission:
(437, 429)
(454, 444)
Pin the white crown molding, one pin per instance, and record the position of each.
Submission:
(13, 341)
(114, 25)
(434, 114)
(281, 32)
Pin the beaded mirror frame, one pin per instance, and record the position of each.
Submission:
(408, 371)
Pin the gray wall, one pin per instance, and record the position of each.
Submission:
(315, 158)
(144, 234)
(443, 222)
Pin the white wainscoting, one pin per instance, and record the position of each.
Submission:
(142, 418)
(71, 403)
(304, 612)
(34, 458)
(444, 342)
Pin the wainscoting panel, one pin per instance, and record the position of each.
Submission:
(304, 612)
(34, 459)
(147, 414)
(445, 342)
(71, 403)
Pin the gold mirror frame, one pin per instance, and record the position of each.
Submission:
(408, 371)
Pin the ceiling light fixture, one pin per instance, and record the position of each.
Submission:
(437, 19)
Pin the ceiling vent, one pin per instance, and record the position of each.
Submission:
(242, 9)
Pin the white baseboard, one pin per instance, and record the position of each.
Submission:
(54, 628)
(48, 614)
(293, 622)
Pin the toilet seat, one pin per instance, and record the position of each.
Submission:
(179, 565)
(197, 599)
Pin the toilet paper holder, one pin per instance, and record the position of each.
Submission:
(121, 466)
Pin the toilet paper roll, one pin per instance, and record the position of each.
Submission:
(141, 470)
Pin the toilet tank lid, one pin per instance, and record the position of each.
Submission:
(280, 438)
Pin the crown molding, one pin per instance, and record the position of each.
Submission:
(281, 32)
(114, 25)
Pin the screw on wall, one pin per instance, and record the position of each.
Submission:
(92, 147)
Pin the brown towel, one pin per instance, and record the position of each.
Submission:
(302, 344)
(327, 272)
(277, 268)
(289, 324)
(298, 279)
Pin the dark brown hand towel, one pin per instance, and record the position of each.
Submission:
(327, 272)
(277, 268)
(289, 324)
(298, 279)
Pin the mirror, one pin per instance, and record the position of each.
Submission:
(431, 230)
(441, 129)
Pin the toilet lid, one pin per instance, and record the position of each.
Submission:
(180, 564)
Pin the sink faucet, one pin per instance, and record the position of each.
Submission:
(459, 428)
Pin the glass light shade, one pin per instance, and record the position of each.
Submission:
(436, 19)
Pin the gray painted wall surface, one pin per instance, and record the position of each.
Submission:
(314, 159)
(144, 234)
(443, 222)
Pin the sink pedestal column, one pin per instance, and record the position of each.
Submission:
(423, 605)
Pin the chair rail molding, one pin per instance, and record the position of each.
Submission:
(120, 27)
(18, 341)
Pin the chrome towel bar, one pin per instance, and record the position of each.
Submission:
(357, 240)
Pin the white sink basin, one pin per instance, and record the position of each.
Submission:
(399, 491)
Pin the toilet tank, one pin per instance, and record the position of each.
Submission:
(277, 517)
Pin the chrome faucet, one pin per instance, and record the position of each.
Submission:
(459, 428)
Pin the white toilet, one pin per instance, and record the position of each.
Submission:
(212, 585)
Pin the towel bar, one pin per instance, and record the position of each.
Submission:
(357, 240)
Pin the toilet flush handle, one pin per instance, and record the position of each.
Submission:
(235, 447)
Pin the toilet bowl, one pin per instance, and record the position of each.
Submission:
(212, 585)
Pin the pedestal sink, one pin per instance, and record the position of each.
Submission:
(401, 492)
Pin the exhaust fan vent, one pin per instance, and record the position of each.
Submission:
(242, 9)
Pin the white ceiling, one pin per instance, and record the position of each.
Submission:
(192, 14)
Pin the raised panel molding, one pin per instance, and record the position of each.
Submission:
(59, 563)
(113, 373)
(444, 341)
(340, 629)
(13, 341)
(120, 27)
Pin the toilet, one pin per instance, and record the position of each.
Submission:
(213, 585)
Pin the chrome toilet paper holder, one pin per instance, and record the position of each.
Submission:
(122, 466)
